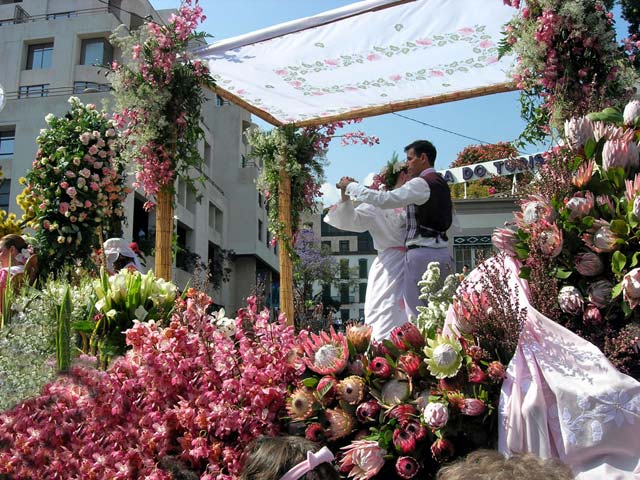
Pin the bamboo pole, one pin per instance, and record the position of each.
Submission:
(164, 233)
(286, 265)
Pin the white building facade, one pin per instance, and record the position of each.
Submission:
(53, 49)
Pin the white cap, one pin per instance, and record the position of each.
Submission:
(114, 247)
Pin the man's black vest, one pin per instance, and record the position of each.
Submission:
(434, 217)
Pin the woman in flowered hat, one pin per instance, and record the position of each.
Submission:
(384, 306)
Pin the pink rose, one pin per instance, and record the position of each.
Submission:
(64, 207)
(64, 185)
(93, 149)
(71, 191)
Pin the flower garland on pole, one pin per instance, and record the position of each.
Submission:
(293, 170)
(159, 95)
(568, 62)
(75, 188)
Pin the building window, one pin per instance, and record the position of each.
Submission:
(90, 87)
(325, 246)
(344, 315)
(365, 243)
(216, 218)
(96, 51)
(326, 293)
(260, 230)
(34, 91)
(471, 255)
(207, 154)
(192, 198)
(363, 292)
(40, 56)
(220, 101)
(5, 190)
(363, 269)
(344, 293)
(7, 142)
(343, 246)
(344, 268)
(361, 314)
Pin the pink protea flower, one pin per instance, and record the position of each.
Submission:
(476, 375)
(403, 441)
(620, 153)
(578, 131)
(326, 389)
(415, 428)
(407, 467)
(407, 336)
(355, 366)
(603, 240)
(359, 336)
(496, 371)
(362, 459)
(409, 363)
(600, 293)
(631, 112)
(402, 413)
(580, 205)
(340, 423)
(550, 240)
(631, 287)
(570, 300)
(589, 264)
(351, 389)
(632, 188)
(583, 174)
(442, 449)
(605, 202)
(315, 433)
(300, 404)
(436, 415)
(534, 209)
(368, 411)
(473, 407)
(504, 239)
(326, 354)
(395, 392)
(592, 315)
(380, 367)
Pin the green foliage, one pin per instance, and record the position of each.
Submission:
(121, 299)
(63, 334)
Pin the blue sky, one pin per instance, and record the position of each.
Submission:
(491, 119)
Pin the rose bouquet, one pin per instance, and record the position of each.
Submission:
(75, 186)
(577, 234)
(400, 407)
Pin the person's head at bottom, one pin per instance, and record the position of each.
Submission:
(287, 458)
(491, 464)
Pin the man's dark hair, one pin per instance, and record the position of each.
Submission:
(423, 146)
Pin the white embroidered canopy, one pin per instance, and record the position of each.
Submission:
(368, 58)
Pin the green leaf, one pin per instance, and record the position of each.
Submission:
(525, 272)
(310, 382)
(562, 273)
(618, 261)
(634, 259)
(626, 309)
(590, 147)
(616, 290)
(619, 227)
(587, 222)
(608, 115)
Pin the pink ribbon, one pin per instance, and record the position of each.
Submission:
(323, 455)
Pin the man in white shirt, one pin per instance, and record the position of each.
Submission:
(429, 214)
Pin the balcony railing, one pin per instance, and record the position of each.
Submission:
(28, 91)
(21, 16)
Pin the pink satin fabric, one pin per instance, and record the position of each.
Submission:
(562, 398)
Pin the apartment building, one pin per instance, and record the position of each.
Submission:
(53, 49)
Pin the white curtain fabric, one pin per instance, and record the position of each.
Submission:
(364, 56)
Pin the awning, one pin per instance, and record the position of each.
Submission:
(365, 59)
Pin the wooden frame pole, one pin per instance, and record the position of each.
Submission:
(164, 234)
(286, 264)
